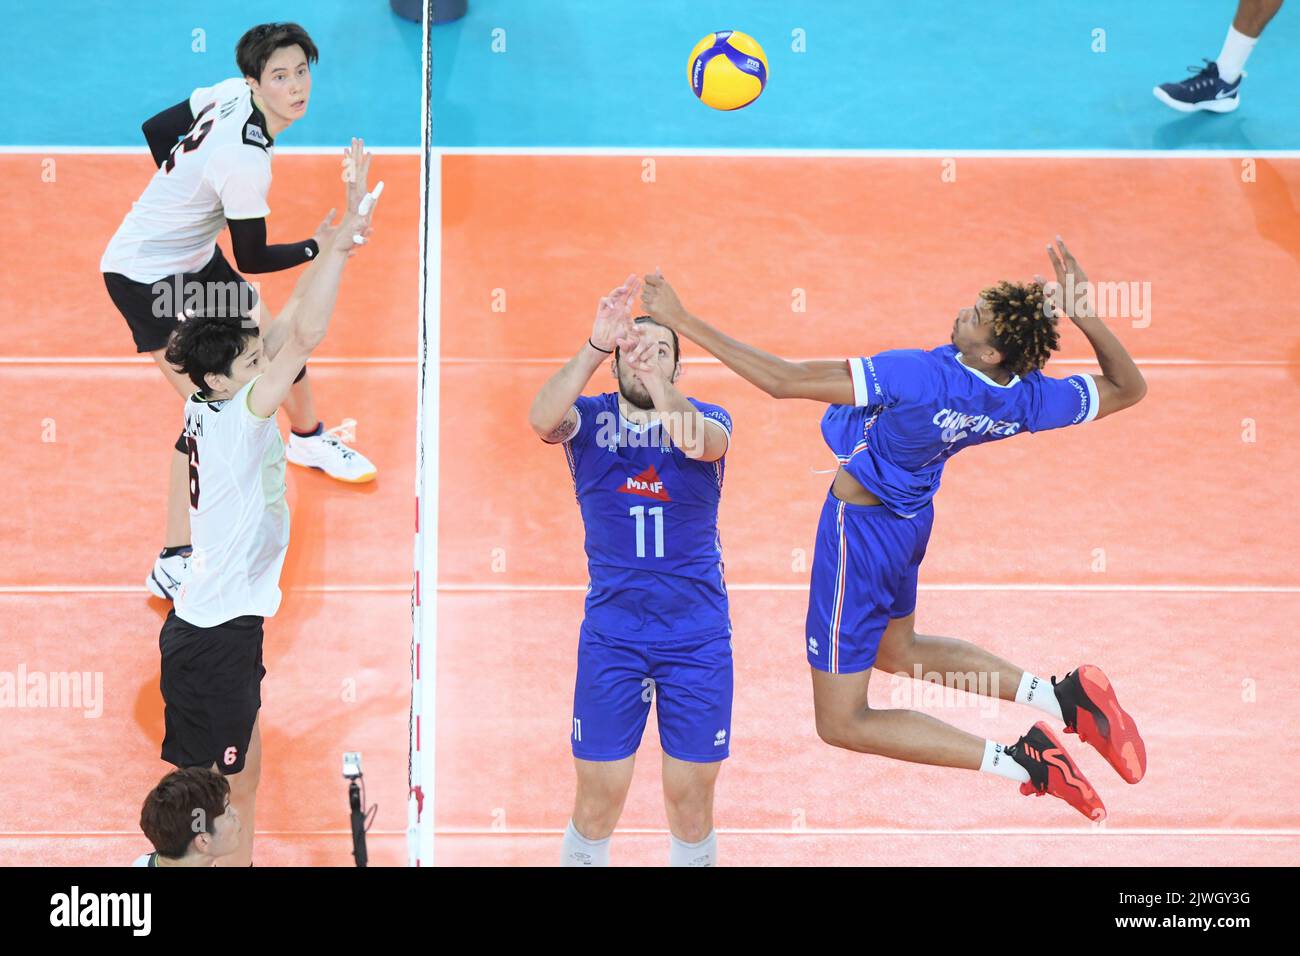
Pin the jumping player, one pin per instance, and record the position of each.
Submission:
(164, 259)
(647, 467)
(1216, 88)
(894, 420)
(211, 641)
(189, 820)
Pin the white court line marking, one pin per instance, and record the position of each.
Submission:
(1085, 831)
(137, 833)
(1172, 362)
(141, 589)
(145, 360)
(412, 360)
(144, 150)
(780, 153)
(736, 831)
(1089, 588)
(526, 588)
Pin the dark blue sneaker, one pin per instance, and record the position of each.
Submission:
(1204, 91)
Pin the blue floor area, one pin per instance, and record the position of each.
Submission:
(904, 74)
(910, 74)
(88, 72)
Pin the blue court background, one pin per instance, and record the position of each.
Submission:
(925, 74)
(916, 74)
(89, 72)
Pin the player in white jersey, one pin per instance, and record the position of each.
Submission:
(189, 820)
(213, 152)
(211, 642)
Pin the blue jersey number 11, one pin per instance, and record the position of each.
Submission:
(658, 514)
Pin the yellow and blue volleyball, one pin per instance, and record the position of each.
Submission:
(727, 70)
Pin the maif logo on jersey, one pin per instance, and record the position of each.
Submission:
(647, 485)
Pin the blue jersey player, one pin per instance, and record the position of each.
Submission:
(647, 466)
(894, 419)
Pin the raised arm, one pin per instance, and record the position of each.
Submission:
(358, 166)
(307, 326)
(819, 381)
(552, 414)
(1121, 384)
(248, 236)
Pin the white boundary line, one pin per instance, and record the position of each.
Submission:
(488, 360)
(1086, 831)
(706, 152)
(754, 587)
(145, 360)
(709, 152)
(934, 588)
(448, 588)
(141, 589)
(1174, 362)
(144, 150)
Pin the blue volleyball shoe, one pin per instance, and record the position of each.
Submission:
(1204, 91)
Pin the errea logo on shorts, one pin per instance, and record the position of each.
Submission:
(720, 739)
(813, 648)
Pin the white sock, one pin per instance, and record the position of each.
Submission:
(579, 851)
(704, 853)
(1232, 58)
(1039, 693)
(1001, 764)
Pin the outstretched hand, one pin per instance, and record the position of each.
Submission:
(356, 172)
(1073, 294)
(640, 357)
(661, 302)
(613, 326)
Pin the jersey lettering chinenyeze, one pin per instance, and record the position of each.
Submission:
(913, 410)
(220, 170)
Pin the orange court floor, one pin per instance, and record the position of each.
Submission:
(91, 426)
(1159, 543)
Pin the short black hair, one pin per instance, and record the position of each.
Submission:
(209, 343)
(257, 45)
(677, 348)
(168, 815)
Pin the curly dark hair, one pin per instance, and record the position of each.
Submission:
(209, 343)
(257, 45)
(1023, 328)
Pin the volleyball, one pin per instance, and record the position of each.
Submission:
(727, 70)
